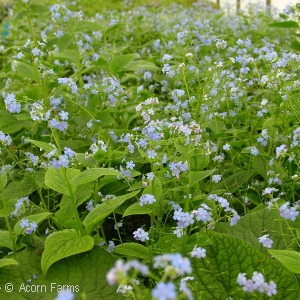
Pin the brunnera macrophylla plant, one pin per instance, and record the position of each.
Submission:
(160, 157)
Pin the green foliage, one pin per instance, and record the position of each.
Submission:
(64, 244)
(84, 273)
(120, 62)
(215, 276)
(256, 224)
(7, 261)
(285, 24)
(105, 209)
(194, 117)
(290, 259)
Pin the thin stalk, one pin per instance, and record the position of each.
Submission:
(119, 235)
(13, 237)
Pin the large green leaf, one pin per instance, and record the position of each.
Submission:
(55, 179)
(216, 275)
(20, 15)
(233, 182)
(252, 226)
(5, 240)
(62, 244)
(132, 249)
(42, 145)
(285, 24)
(136, 209)
(10, 207)
(105, 118)
(93, 174)
(260, 165)
(9, 123)
(200, 175)
(103, 210)
(198, 161)
(120, 62)
(88, 25)
(69, 54)
(216, 126)
(39, 8)
(86, 271)
(143, 65)
(66, 212)
(26, 71)
(290, 259)
(64, 41)
(7, 261)
(17, 189)
(169, 243)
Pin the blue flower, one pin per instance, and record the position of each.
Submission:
(164, 291)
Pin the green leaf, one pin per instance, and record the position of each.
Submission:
(9, 123)
(3, 180)
(42, 145)
(290, 259)
(198, 161)
(295, 45)
(38, 218)
(200, 175)
(252, 226)
(65, 213)
(19, 16)
(233, 182)
(136, 209)
(113, 28)
(103, 210)
(142, 65)
(120, 62)
(10, 207)
(87, 25)
(84, 274)
(181, 149)
(285, 24)
(132, 249)
(16, 189)
(105, 118)
(101, 62)
(169, 243)
(26, 71)
(7, 261)
(86, 162)
(216, 275)
(68, 54)
(199, 238)
(260, 166)
(34, 241)
(6, 240)
(216, 126)
(39, 8)
(55, 179)
(62, 244)
(283, 16)
(64, 41)
(84, 194)
(93, 174)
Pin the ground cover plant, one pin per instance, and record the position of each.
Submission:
(149, 152)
